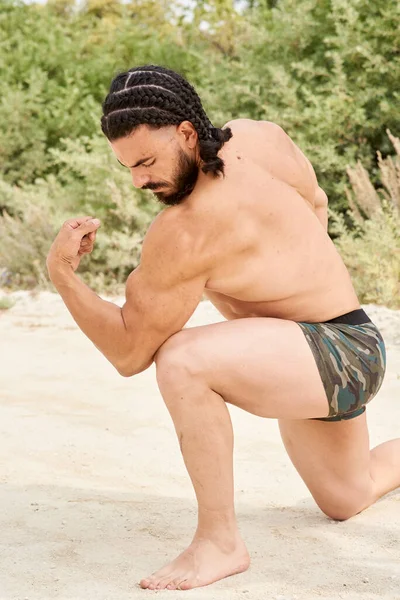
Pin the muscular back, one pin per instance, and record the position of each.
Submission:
(263, 229)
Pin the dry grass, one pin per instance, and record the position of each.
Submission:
(371, 249)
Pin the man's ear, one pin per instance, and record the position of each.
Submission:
(189, 134)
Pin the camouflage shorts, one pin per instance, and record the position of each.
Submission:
(351, 359)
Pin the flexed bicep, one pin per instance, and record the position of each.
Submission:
(161, 294)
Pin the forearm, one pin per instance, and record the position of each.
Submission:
(100, 321)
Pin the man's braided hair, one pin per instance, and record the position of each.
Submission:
(158, 96)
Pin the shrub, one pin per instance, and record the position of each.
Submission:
(6, 303)
(90, 182)
(371, 248)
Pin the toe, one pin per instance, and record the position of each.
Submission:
(153, 585)
(152, 581)
(188, 584)
(166, 581)
(174, 583)
(177, 582)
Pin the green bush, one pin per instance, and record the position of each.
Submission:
(90, 182)
(57, 64)
(325, 70)
(6, 303)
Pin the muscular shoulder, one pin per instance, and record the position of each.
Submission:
(264, 142)
(275, 151)
(171, 245)
(270, 147)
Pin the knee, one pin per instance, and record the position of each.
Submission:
(341, 512)
(175, 351)
(177, 359)
(341, 506)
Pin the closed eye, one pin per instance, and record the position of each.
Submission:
(135, 166)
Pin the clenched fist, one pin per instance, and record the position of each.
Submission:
(75, 238)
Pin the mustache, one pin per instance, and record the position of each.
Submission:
(154, 186)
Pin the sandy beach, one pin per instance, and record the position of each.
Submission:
(94, 494)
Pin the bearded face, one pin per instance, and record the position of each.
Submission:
(183, 181)
(161, 159)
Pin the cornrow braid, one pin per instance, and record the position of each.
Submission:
(157, 96)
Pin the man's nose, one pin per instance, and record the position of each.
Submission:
(139, 180)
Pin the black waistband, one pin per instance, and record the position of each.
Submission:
(355, 317)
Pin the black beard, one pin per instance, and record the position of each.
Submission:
(185, 179)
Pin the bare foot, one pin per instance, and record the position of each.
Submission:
(204, 562)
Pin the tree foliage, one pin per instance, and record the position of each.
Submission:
(328, 71)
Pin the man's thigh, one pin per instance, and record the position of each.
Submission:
(265, 366)
(262, 365)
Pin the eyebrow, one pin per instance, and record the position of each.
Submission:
(139, 162)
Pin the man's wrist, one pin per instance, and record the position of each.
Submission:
(60, 274)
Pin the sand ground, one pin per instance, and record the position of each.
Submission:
(94, 494)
